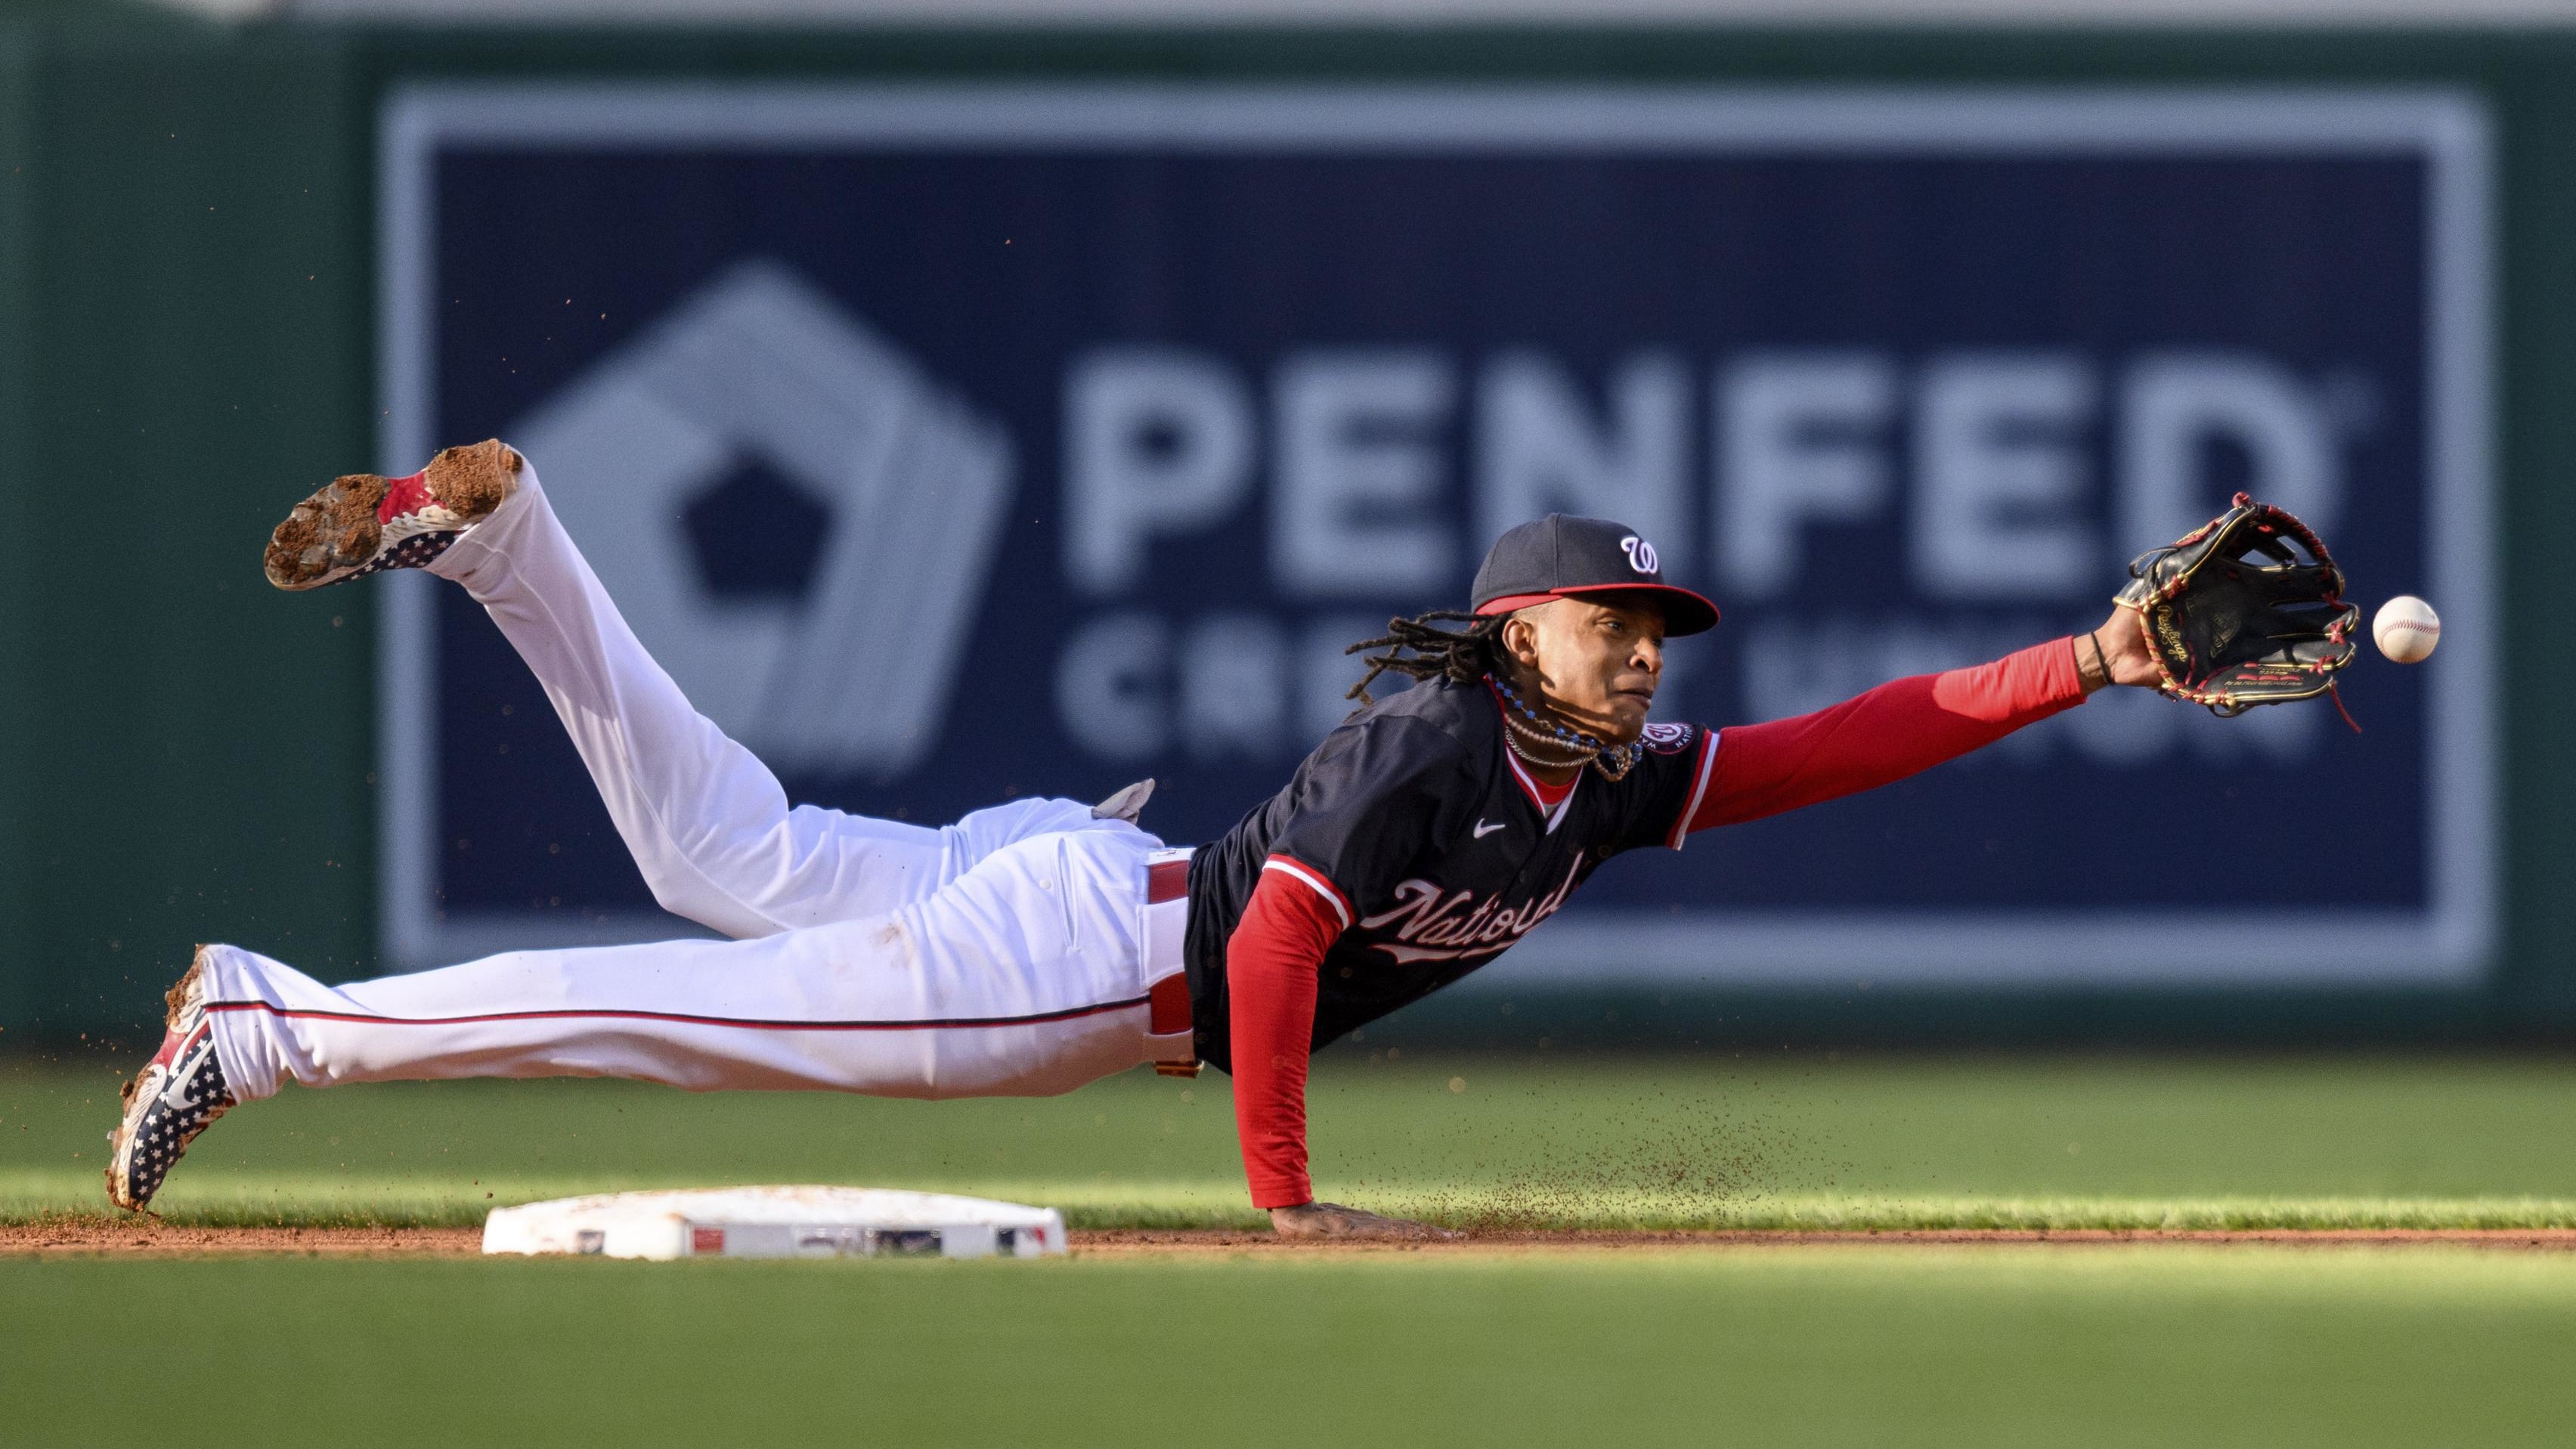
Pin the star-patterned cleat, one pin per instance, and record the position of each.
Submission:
(170, 1101)
(360, 524)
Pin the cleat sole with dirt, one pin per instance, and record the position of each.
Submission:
(341, 533)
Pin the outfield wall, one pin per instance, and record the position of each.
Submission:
(200, 323)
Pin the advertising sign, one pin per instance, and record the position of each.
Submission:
(954, 443)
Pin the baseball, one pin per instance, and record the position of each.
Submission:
(2406, 629)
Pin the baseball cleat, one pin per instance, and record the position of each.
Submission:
(360, 524)
(175, 1097)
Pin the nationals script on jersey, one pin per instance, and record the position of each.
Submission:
(1433, 846)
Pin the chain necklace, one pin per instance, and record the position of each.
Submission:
(1534, 748)
(1531, 735)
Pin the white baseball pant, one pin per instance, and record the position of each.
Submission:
(1012, 953)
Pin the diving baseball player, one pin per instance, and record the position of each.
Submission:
(1030, 948)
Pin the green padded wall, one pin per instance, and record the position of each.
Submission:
(185, 299)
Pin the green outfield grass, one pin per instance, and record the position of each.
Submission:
(1864, 1346)
(2013, 1345)
(1751, 1141)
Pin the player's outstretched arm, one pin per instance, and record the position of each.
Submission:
(1906, 726)
(1271, 966)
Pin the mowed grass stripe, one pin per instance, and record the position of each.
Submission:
(1720, 1141)
(2116, 1346)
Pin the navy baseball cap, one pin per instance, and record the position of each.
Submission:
(1560, 555)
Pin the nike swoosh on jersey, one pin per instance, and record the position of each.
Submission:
(1488, 827)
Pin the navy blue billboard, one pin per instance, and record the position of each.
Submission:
(951, 444)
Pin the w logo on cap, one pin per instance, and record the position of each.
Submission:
(1552, 557)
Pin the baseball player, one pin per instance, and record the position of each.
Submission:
(1030, 948)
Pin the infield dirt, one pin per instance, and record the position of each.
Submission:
(143, 1238)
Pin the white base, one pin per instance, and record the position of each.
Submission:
(776, 1222)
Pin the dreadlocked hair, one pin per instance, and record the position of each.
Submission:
(1419, 648)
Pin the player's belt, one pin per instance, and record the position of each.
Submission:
(1172, 1039)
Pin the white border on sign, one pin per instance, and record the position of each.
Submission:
(2450, 944)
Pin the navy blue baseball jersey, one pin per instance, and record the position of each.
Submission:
(1433, 846)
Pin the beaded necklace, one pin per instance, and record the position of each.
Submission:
(1532, 735)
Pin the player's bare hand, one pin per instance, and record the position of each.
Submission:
(1332, 1220)
(2124, 653)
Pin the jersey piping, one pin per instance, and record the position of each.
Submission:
(1699, 788)
(1554, 815)
(1313, 882)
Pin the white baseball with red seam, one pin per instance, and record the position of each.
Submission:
(2406, 629)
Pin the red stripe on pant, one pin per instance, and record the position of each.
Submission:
(1070, 1013)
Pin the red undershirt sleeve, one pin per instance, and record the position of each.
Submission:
(1271, 966)
(1898, 729)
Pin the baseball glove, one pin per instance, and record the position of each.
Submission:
(2235, 617)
